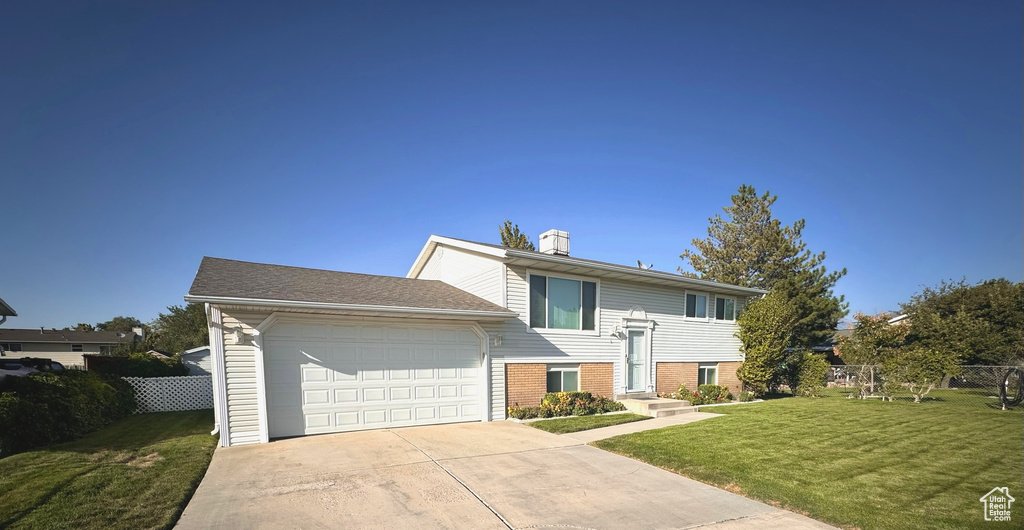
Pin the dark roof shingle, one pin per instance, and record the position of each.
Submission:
(64, 335)
(225, 278)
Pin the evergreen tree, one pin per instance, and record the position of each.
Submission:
(511, 237)
(753, 249)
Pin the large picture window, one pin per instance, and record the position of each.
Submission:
(560, 303)
(696, 305)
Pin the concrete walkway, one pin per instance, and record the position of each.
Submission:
(498, 475)
(638, 426)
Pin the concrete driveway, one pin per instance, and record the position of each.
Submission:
(473, 475)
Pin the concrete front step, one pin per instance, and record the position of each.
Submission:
(657, 407)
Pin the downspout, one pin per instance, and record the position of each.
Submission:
(216, 416)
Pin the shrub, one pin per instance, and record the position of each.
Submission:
(714, 394)
(765, 330)
(705, 394)
(557, 404)
(523, 413)
(49, 407)
(811, 378)
(143, 365)
(745, 397)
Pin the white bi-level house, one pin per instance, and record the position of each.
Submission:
(471, 330)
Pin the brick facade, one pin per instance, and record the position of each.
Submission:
(597, 378)
(525, 384)
(670, 375)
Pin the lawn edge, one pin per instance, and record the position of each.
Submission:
(733, 488)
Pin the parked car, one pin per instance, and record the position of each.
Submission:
(27, 365)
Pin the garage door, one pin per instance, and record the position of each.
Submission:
(325, 377)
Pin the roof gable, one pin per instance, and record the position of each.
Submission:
(531, 258)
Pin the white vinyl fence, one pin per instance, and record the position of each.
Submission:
(165, 394)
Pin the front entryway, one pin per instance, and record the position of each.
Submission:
(635, 360)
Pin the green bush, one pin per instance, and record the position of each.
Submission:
(49, 407)
(705, 394)
(557, 404)
(745, 397)
(143, 365)
(813, 369)
(523, 413)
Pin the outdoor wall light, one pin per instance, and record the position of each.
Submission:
(239, 335)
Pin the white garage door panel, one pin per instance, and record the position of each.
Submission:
(338, 377)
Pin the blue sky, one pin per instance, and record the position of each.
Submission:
(137, 137)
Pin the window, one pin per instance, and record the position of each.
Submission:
(563, 378)
(725, 309)
(76, 347)
(13, 346)
(104, 350)
(707, 374)
(696, 305)
(558, 303)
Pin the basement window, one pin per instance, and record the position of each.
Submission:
(707, 374)
(563, 378)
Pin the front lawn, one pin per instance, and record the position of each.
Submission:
(857, 464)
(585, 423)
(137, 473)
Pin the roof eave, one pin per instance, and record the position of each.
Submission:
(638, 273)
(293, 304)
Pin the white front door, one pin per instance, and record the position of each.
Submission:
(635, 361)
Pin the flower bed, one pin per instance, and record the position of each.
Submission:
(557, 404)
(707, 395)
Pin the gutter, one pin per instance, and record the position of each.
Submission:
(610, 267)
(229, 300)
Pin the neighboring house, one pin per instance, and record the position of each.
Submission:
(831, 347)
(64, 346)
(6, 311)
(471, 330)
(197, 360)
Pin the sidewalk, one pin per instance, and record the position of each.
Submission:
(637, 426)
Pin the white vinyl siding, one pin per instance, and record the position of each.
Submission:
(473, 273)
(240, 373)
(675, 337)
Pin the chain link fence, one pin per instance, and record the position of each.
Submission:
(969, 385)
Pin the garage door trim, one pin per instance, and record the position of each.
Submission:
(268, 323)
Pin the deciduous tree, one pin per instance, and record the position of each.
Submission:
(765, 329)
(181, 328)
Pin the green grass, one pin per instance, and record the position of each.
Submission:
(137, 473)
(585, 423)
(857, 464)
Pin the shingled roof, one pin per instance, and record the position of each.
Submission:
(224, 279)
(65, 335)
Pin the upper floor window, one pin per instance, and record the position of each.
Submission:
(560, 303)
(725, 309)
(76, 347)
(696, 305)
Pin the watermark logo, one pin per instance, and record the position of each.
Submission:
(997, 504)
